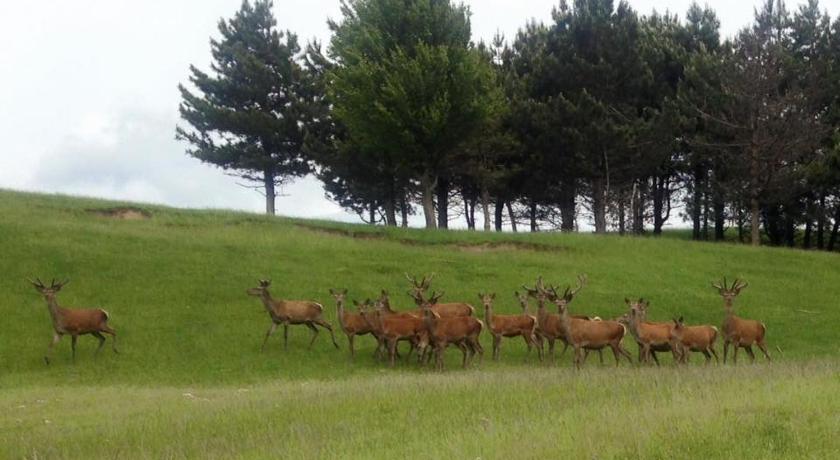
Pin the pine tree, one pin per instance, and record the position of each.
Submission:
(248, 115)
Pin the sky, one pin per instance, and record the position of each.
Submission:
(89, 99)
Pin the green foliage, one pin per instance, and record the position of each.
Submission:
(249, 113)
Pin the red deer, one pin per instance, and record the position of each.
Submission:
(292, 312)
(537, 341)
(508, 325)
(739, 332)
(74, 322)
(462, 331)
(443, 309)
(583, 334)
(651, 337)
(352, 324)
(700, 339)
(549, 326)
(393, 328)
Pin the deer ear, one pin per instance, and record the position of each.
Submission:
(516, 294)
(627, 301)
(355, 302)
(493, 295)
(332, 292)
(681, 319)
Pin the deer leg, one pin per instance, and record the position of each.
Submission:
(465, 351)
(551, 349)
(392, 351)
(477, 347)
(327, 326)
(625, 353)
(735, 346)
(350, 338)
(267, 335)
(73, 339)
(763, 348)
(285, 336)
(707, 355)
(537, 346)
(749, 350)
(601, 357)
(653, 354)
(714, 353)
(314, 334)
(101, 339)
(113, 333)
(55, 339)
(577, 359)
(497, 340)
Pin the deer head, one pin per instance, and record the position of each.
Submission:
(538, 292)
(568, 294)
(419, 286)
(487, 300)
(638, 308)
(48, 292)
(340, 296)
(261, 290)
(730, 292)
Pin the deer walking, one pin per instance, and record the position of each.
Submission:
(699, 339)
(739, 332)
(508, 325)
(74, 322)
(292, 312)
(352, 324)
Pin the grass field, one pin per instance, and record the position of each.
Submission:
(190, 368)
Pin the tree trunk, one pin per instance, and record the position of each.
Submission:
(485, 207)
(512, 216)
(755, 206)
(658, 205)
(499, 210)
(821, 222)
(621, 215)
(697, 202)
(442, 190)
(390, 212)
(720, 216)
(599, 205)
(427, 183)
(533, 216)
(706, 206)
(472, 213)
(372, 213)
(270, 194)
(403, 210)
(639, 206)
(833, 238)
(567, 205)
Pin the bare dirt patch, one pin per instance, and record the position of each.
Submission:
(123, 213)
(465, 247)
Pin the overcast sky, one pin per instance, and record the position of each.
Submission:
(88, 98)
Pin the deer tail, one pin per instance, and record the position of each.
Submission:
(107, 315)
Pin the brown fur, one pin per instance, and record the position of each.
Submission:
(650, 336)
(463, 331)
(698, 339)
(508, 326)
(352, 324)
(739, 332)
(292, 312)
(74, 322)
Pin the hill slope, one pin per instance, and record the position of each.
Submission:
(190, 364)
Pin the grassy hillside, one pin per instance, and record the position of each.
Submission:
(175, 287)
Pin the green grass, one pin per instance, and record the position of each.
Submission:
(175, 287)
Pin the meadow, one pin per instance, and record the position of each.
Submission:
(191, 382)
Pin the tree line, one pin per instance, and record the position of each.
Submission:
(602, 117)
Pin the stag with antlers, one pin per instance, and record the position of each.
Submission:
(74, 322)
(739, 332)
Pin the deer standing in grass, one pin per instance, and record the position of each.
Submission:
(419, 289)
(699, 339)
(292, 312)
(74, 322)
(651, 337)
(585, 334)
(508, 325)
(739, 332)
(549, 325)
(393, 328)
(352, 324)
(462, 331)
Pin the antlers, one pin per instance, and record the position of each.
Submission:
(53, 285)
(423, 285)
(737, 286)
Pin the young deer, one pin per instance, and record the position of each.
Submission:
(739, 332)
(418, 289)
(583, 334)
(74, 322)
(462, 331)
(508, 325)
(700, 339)
(651, 337)
(352, 324)
(537, 341)
(292, 312)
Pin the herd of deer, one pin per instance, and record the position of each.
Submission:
(433, 326)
